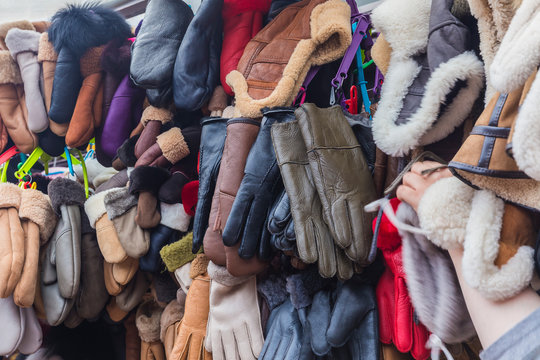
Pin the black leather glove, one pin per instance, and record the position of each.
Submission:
(257, 192)
(214, 131)
(280, 224)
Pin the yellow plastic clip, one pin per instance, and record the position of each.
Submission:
(3, 177)
(85, 172)
(29, 163)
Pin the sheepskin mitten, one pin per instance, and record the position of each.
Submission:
(169, 324)
(112, 286)
(118, 180)
(24, 45)
(121, 208)
(6, 27)
(153, 119)
(125, 155)
(178, 253)
(114, 312)
(124, 271)
(182, 276)
(145, 181)
(170, 147)
(148, 323)
(38, 222)
(107, 236)
(12, 244)
(47, 56)
(132, 294)
(174, 216)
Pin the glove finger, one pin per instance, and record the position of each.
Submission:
(420, 337)
(270, 346)
(319, 320)
(306, 240)
(345, 269)
(362, 236)
(280, 214)
(236, 220)
(386, 305)
(246, 350)
(253, 230)
(342, 231)
(325, 249)
(364, 341)
(403, 318)
(229, 345)
(161, 161)
(265, 247)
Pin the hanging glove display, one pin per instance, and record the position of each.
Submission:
(233, 332)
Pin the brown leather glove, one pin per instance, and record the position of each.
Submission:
(152, 118)
(170, 147)
(170, 322)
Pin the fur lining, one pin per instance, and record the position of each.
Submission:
(173, 313)
(46, 49)
(430, 270)
(508, 71)
(9, 70)
(95, 207)
(299, 295)
(21, 24)
(126, 151)
(330, 37)
(174, 216)
(118, 201)
(41, 26)
(198, 265)
(19, 41)
(178, 253)
(443, 212)
(426, 125)
(526, 138)
(147, 178)
(116, 58)
(481, 249)
(158, 114)
(36, 207)
(407, 38)
(273, 289)
(10, 196)
(173, 145)
(91, 61)
(79, 27)
(65, 192)
(148, 320)
(221, 275)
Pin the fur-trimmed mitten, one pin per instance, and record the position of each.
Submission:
(145, 181)
(121, 208)
(107, 237)
(148, 323)
(24, 45)
(132, 294)
(87, 112)
(170, 147)
(38, 222)
(12, 244)
(12, 105)
(22, 332)
(169, 323)
(125, 154)
(160, 236)
(178, 253)
(153, 119)
(174, 216)
(118, 180)
(5, 27)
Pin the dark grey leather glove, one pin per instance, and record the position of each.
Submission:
(313, 238)
(280, 224)
(342, 177)
(319, 321)
(284, 334)
(214, 131)
(260, 186)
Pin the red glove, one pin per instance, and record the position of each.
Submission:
(242, 20)
(396, 315)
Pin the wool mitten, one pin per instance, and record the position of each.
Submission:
(228, 292)
(38, 221)
(106, 234)
(148, 318)
(121, 209)
(24, 45)
(145, 182)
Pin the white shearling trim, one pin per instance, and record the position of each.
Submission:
(426, 126)
(444, 210)
(519, 53)
(407, 38)
(526, 138)
(174, 216)
(95, 207)
(182, 276)
(481, 249)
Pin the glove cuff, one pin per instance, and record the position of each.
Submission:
(10, 196)
(147, 178)
(222, 276)
(65, 192)
(299, 294)
(178, 253)
(443, 212)
(95, 207)
(173, 313)
(148, 320)
(118, 201)
(273, 290)
(159, 114)
(174, 216)
(19, 41)
(36, 207)
(46, 49)
(9, 71)
(126, 152)
(199, 266)
(172, 145)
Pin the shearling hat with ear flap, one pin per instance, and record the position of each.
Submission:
(87, 113)
(145, 182)
(38, 221)
(5, 27)
(12, 106)
(24, 45)
(153, 118)
(433, 79)
(293, 50)
(169, 148)
(429, 270)
(12, 244)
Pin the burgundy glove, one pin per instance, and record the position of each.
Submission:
(396, 315)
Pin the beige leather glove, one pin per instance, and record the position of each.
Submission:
(170, 322)
(234, 324)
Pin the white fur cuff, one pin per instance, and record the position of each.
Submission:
(174, 216)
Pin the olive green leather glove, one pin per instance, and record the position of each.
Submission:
(313, 239)
(341, 176)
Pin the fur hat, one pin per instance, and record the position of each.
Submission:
(433, 285)
(148, 321)
(65, 192)
(80, 27)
